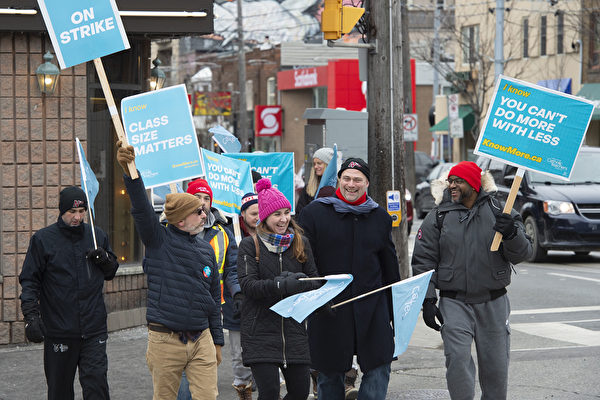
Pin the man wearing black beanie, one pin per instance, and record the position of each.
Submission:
(61, 299)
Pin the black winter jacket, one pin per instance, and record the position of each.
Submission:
(183, 281)
(361, 245)
(267, 337)
(459, 250)
(58, 281)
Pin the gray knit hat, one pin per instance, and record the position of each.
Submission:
(324, 154)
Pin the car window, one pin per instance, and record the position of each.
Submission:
(435, 173)
(496, 168)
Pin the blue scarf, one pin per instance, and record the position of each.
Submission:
(343, 207)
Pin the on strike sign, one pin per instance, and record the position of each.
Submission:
(83, 30)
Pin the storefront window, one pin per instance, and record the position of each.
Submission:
(126, 72)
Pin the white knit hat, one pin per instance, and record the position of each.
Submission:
(324, 154)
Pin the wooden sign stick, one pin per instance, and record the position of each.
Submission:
(110, 101)
(510, 201)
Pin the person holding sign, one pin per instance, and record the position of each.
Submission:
(184, 297)
(321, 158)
(351, 234)
(62, 280)
(223, 243)
(270, 264)
(454, 241)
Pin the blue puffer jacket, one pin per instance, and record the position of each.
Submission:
(183, 281)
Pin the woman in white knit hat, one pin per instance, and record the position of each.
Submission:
(321, 158)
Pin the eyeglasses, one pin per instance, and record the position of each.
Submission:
(458, 181)
(201, 210)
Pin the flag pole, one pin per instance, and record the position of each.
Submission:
(110, 101)
(84, 183)
(364, 295)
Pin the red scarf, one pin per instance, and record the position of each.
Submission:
(360, 200)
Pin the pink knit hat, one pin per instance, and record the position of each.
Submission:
(269, 199)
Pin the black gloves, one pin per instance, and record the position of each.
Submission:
(430, 312)
(288, 283)
(505, 224)
(101, 259)
(238, 299)
(34, 328)
(325, 310)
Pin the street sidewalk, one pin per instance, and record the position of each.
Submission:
(22, 374)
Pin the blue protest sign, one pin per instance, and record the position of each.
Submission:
(534, 127)
(277, 167)
(159, 126)
(229, 180)
(407, 298)
(83, 30)
(300, 306)
(225, 139)
(88, 178)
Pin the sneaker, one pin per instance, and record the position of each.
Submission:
(244, 392)
(351, 393)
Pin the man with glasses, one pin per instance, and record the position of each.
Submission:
(184, 296)
(454, 240)
(350, 233)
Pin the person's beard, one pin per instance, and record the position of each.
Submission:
(463, 194)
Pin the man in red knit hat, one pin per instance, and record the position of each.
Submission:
(454, 240)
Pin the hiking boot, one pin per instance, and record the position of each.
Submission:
(313, 377)
(244, 392)
(349, 380)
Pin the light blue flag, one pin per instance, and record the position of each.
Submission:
(407, 297)
(300, 306)
(88, 178)
(226, 140)
(329, 177)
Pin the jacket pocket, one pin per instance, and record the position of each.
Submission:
(445, 273)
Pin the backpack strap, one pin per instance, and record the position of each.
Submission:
(257, 252)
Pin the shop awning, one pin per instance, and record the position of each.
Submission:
(465, 112)
(591, 91)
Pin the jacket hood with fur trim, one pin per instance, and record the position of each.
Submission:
(440, 184)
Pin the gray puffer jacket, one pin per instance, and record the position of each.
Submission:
(459, 250)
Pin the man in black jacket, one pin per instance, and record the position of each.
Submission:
(350, 233)
(184, 298)
(61, 299)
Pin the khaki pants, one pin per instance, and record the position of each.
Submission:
(168, 357)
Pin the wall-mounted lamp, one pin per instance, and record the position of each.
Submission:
(47, 74)
(157, 76)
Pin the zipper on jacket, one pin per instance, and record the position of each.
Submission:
(246, 262)
(282, 333)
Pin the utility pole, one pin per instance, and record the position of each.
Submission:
(242, 122)
(499, 41)
(385, 106)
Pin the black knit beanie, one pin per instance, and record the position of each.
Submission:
(71, 197)
(355, 163)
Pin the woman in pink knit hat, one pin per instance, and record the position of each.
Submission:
(270, 265)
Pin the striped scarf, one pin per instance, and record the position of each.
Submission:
(276, 243)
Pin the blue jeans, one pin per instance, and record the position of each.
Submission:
(373, 385)
(184, 389)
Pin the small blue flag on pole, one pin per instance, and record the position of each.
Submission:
(225, 139)
(407, 298)
(300, 306)
(329, 177)
(88, 178)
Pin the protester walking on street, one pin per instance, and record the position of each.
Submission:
(454, 240)
(61, 299)
(270, 264)
(184, 297)
(351, 234)
(223, 243)
(321, 158)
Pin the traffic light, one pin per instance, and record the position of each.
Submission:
(337, 19)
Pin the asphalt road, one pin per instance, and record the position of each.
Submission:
(555, 345)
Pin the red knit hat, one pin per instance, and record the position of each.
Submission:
(470, 172)
(200, 186)
(269, 199)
